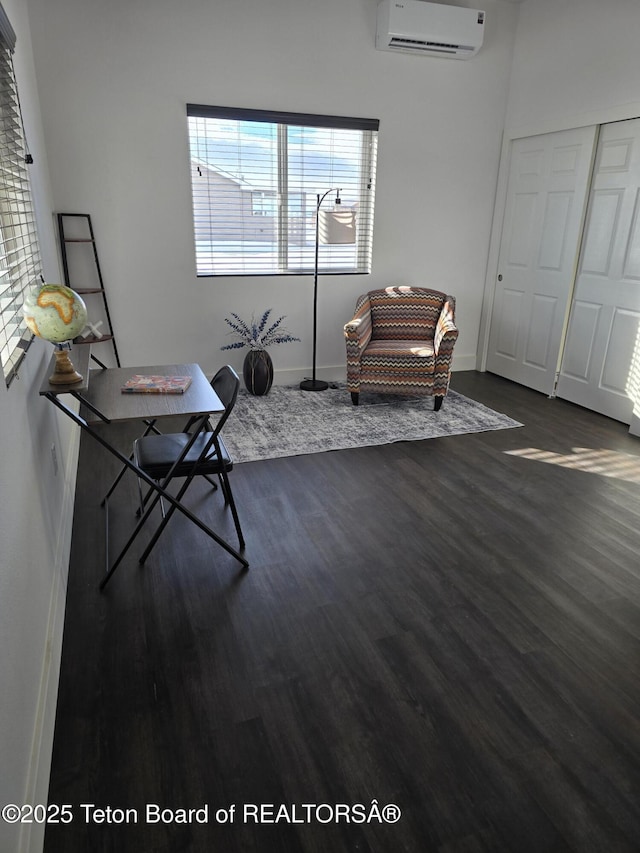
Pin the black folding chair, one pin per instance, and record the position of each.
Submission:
(159, 456)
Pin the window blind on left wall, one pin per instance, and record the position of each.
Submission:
(20, 263)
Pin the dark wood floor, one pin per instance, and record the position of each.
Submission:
(450, 626)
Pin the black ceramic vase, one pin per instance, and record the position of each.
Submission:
(258, 371)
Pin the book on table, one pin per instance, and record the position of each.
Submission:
(141, 384)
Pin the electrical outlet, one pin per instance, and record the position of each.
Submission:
(54, 456)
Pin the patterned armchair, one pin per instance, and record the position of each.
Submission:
(400, 341)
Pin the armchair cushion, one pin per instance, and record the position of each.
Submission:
(405, 313)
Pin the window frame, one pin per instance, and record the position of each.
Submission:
(20, 260)
(367, 163)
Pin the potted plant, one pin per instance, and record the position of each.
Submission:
(257, 336)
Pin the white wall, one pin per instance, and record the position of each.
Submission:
(575, 63)
(114, 78)
(36, 508)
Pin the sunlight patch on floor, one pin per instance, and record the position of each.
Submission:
(607, 463)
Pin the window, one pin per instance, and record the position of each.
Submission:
(265, 204)
(256, 177)
(20, 265)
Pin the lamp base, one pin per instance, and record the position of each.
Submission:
(313, 385)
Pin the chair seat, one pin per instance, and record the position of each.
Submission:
(410, 349)
(399, 355)
(155, 454)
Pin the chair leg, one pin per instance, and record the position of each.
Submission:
(143, 499)
(165, 515)
(355, 396)
(223, 489)
(115, 483)
(234, 512)
(212, 482)
(437, 403)
(151, 427)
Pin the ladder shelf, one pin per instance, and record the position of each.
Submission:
(76, 228)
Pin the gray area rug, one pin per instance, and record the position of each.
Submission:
(290, 422)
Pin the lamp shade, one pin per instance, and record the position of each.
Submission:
(337, 226)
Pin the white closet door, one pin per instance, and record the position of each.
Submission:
(546, 197)
(601, 363)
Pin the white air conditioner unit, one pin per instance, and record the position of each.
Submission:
(414, 26)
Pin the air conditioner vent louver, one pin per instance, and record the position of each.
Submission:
(419, 44)
(415, 26)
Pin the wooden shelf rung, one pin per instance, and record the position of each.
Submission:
(90, 339)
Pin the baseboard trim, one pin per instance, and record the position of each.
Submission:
(338, 372)
(463, 362)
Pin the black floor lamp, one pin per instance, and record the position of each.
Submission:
(337, 227)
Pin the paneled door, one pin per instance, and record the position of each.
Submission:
(601, 363)
(546, 199)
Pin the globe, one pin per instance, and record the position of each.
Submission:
(55, 313)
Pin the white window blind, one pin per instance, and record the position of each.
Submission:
(20, 265)
(256, 176)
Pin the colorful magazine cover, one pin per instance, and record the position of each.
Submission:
(140, 384)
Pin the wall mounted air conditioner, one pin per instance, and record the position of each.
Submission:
(414, 26)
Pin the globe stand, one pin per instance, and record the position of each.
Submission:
(64, 372)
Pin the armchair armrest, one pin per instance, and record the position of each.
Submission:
(352, 326)
(446, 332)
(357, 331)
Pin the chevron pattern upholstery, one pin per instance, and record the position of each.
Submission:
(400, 341)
